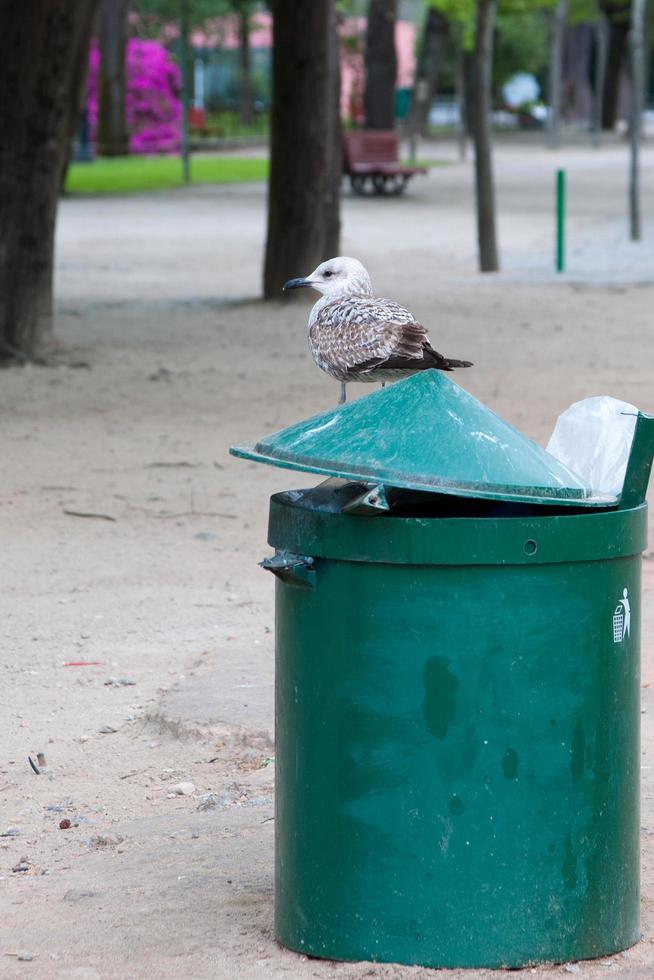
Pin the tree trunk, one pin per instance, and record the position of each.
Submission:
(185, 92)
(305, 145)
(333, 176)
(429, 61)
(460, 73)
(559, 19)
(617, 13)
(39, 66)
(112, 138)
(617, 46)
(246, 106)
(482, 133)
(77, 113)
(381, 65)
(601, 32)
(635, 122)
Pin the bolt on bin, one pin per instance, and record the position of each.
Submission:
(457, 688)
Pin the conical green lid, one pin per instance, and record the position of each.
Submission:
(425, 433)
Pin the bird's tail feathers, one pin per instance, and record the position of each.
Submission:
(434, 359)
(449, 363)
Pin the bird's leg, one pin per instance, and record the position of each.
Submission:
(383, 384)
(341, 400)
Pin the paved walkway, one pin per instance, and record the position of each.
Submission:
(137, 645)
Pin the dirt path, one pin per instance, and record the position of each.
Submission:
(167, 363)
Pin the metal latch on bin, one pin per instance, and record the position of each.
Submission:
(293, 569)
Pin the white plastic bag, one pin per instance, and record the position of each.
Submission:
(593, 438)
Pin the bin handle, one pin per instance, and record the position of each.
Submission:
(297, 570)
(639, 464)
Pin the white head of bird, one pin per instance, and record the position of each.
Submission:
(336, 278)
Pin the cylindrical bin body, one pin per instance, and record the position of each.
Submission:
(457, 713)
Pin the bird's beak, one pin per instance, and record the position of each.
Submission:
(296, 284)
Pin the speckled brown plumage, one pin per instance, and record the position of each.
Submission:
(367, 339)
(354, 336)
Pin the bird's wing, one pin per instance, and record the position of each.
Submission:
(359, 334)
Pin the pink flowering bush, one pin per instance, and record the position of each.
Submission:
(152, 102)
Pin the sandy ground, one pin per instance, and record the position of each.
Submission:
(167, 359)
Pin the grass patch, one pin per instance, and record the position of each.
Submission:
(122, 175)
(125, 175)
(427, 164)
(228, 124)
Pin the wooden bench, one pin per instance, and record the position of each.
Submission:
(371, 159)
(197, 121)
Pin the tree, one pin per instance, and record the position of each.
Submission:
(462, 77)
(40, 45)
(156, 15)
(481, 127)
(77, 115)
(185, 90)
(305, 146)
(153, 16)
(429, 59)
(635, 122)
(474, 21)
(381, 65)
(617, 15)
(112, 139)
(599, 79)
(243, 10)
(559, 20)
(521, 39)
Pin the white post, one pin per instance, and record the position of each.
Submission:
(198, 83)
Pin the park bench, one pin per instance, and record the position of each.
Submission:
(197, 120)
(371, 159)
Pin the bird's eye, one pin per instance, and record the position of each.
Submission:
(327, 273)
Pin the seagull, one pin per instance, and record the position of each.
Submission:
(355, 336)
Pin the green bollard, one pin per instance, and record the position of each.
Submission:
(560, 220)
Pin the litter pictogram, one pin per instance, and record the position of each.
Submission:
(622, 618)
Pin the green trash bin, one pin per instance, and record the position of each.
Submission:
(457, 689)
